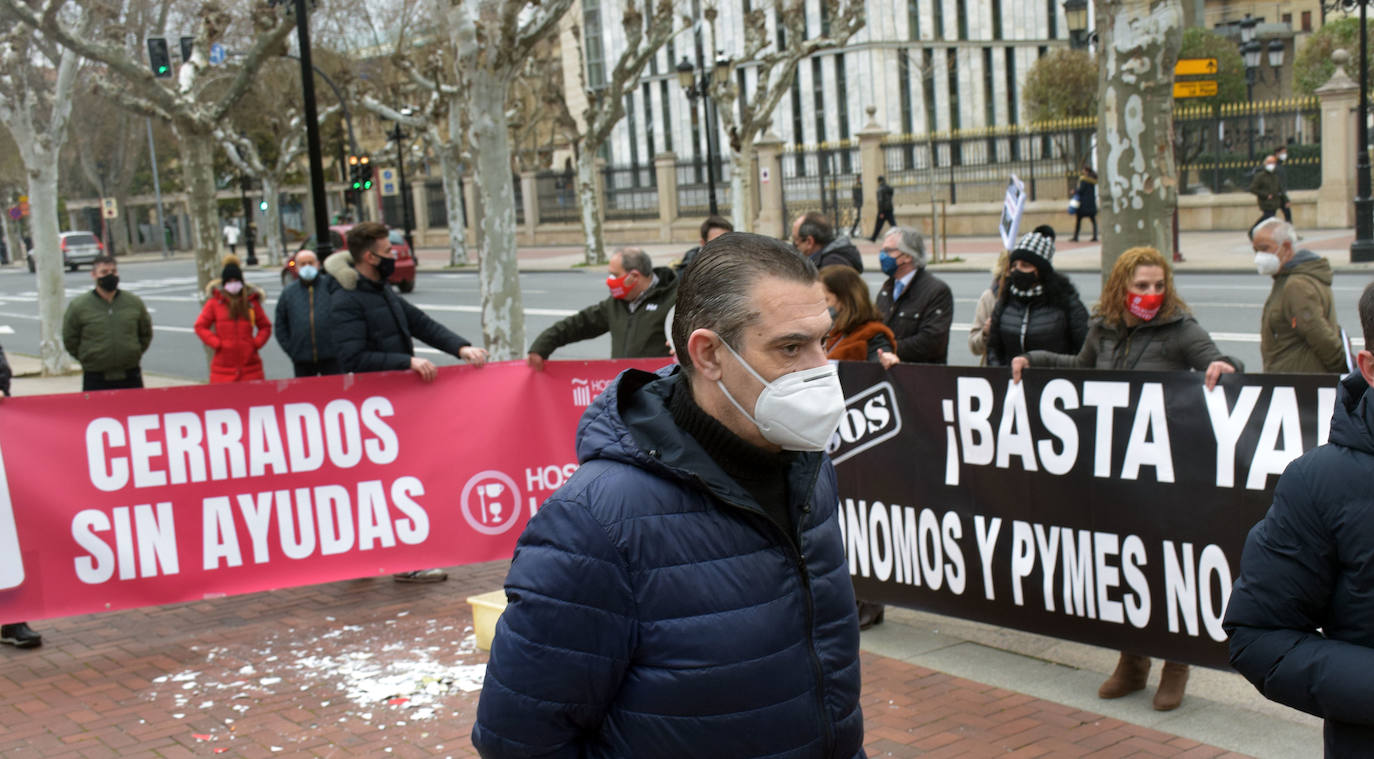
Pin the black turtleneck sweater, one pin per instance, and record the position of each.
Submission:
(763, 474)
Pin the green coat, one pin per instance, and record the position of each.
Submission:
(633, 335)
(107, 337)
(1269, 190)
(1299, 332)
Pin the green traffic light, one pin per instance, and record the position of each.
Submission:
(367, 185)
(161, 69)
(357, 185)
(262, 205)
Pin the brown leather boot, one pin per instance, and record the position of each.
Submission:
(1132, 671)
(1172, 680)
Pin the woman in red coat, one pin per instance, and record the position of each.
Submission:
(234, 324)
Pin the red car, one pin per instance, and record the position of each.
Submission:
(403, 277)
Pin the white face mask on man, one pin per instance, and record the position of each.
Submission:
(798, 411)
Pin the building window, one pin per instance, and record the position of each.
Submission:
(1013, 109)
(742, 81)
(989, 98)
(937, 19)
(1307, 21)
(667, 115)
(591, 44)
(913, 21)
(818, 97)
(1052, 13)
(1287, 18)
(997, 19)
(797, 136)
(904, 93)
(632, 129)
(842, 104)
(928, 88)
(956, 121)
(649, 122)
(961, 19)
(825, 19)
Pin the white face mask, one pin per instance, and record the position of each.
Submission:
(1269, 167)
(1267, 263)
(798, 411)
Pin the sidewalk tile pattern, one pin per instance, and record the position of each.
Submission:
(372, 668)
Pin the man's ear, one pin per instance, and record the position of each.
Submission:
(704, 347)
(1365, 360)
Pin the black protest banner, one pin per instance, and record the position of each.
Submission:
(1103, 507)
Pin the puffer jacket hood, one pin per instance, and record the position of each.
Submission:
(339, 265)
(839, 251)
(1310, 264)
(654, 612)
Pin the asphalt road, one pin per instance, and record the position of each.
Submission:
(1228, 305)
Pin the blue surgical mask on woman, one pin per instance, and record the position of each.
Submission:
(887, 263)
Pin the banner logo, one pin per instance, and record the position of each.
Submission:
(582, 392)
(490, 502)
(11, 561)
(870, 418)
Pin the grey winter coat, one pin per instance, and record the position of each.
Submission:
(1164, 344)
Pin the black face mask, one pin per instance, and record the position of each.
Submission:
(109, 283)
(385, 266)
(1024, 280)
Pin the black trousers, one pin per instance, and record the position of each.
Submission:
(317, 368)
(883, 216)
(854, 228)
(1263, 217)
(96, 381)
(1079, 223)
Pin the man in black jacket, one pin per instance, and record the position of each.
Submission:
(1300, 618)
(640, 299)
(885, 208)
(814, 236)
(374, 327)
(914, 303)
(302, 326)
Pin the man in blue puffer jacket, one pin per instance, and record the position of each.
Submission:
(1301, 616)
(686, 593)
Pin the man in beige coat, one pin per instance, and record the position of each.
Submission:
(1298, 328)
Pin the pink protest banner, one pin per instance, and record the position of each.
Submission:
(112, 500)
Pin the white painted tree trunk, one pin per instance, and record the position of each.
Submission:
(503, 314)
(198, 175)
(742, 209)
(589, 201)
(452, 168)
(51, 295)
(1137, 188)
(273, 247)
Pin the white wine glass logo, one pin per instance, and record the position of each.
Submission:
(492, 508)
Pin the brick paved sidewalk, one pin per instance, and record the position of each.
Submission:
(372, 668)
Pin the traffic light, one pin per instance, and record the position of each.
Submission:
(365, 169)
(262, 204)
(355, 176)
(186, 44)
(158, 58)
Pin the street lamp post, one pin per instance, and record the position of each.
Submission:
(1076, 18)
(323, 245)
(697, 83)
(1363, 247)
(399, 136)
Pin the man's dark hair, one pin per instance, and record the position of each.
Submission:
(635, 259)
(716, 291)
(715, 222)
(104, 258)
(816, 225)
(362, 236)
(1367, 316)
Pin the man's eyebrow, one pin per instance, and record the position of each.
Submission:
(795, 337)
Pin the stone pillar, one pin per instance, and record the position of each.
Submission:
(529, 194)
(665, 173)
(1339, 98)
(768, 151)
(871, 164)
(419, 197)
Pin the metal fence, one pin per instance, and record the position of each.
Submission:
(973, 165)
(631, 192)
(821, 178)
(1220, 148)
(557, 197)
(693, 198)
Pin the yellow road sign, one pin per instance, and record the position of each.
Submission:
(1196, 67)
(1195, 89)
